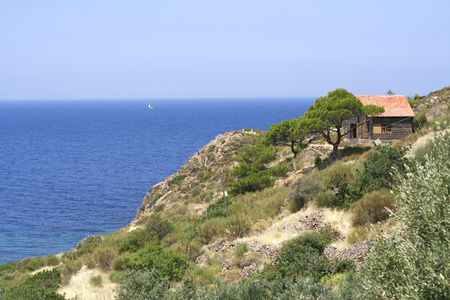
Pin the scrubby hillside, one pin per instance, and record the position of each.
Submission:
(296, 228)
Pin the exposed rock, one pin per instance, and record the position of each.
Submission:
(200, 260)
(248, 271)
(267, 251)
(311, 223)
(356, 252)
(315, 150)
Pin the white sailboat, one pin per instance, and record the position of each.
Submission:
(150, 106)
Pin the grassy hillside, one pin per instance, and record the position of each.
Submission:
(299, 227)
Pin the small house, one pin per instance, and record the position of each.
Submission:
(395, 123)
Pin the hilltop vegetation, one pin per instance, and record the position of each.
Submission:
(369, 223)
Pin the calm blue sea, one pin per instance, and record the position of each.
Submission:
(68, 166)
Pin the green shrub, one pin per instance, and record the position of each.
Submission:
(156, 229)
(357, 235)
(71, 267)
(136, 240)
(325, 198)
(420, 121)
(317, 161)
(252, 173)
(42, 285)
(378, 166)
(300, 256)
(178, 179)
(341, 180)
(204, 275)
(373, 207)
(242, 290)
(238, 226)
(51, 260)
(329, 233)
(159, 226)
(343, 266)
(35, 264)
(169, 264)
(160, 207)
(241, 250)
(303, 190)
(97, 239)
(300, 287)
(118, 264)
(8, 267)
(140, 285)
(103, 258)
(96, 281)
(351, 287)
(412, 262)
(311, 239)
(211, 228)
(116, 276)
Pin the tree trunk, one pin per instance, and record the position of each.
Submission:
(293, 149)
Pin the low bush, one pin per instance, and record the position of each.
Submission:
(42, 285)
(211, 228)
(178, 179)
(140, 285)
(340, 179)
(8, 267)
(116, 276)
(51, 260)
(103, 258)
(373, 207)
(325, 198)
(156, 229)
(159, 226)
(35, 264)
(204, 275)
(378, 166)
(241, 250)
(358, 235)
(311, 239)
(160, 207)
(118, 264)
(97, 239)
(303, 190)
(329, 233)
(169, 264)
(420, 121)
(300, 256)
(238, 226)
(96, 281)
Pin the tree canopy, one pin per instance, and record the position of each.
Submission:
(328, 114)
(288, 133)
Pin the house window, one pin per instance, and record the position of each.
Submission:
(376, 128)
(386, 128)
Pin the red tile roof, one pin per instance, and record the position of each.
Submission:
(394, 105)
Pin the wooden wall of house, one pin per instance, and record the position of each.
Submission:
(400, 128)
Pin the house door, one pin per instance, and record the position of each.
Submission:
(353, 131)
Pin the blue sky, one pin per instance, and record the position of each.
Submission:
(214, 49)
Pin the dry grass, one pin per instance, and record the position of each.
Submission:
(275, 234)
(80, 288)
